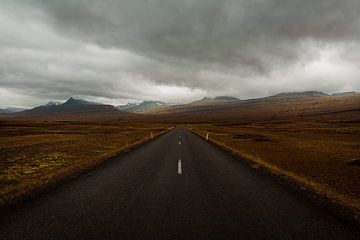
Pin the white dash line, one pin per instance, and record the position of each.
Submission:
(179, 143)
(179, 167)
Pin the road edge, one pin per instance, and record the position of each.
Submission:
(10, 203)
(321, 199)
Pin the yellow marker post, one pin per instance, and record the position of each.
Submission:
(152, 136)
(207, 136)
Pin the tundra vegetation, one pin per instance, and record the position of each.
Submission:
(323, 155)
(35, 153)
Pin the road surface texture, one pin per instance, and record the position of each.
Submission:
(175, 187)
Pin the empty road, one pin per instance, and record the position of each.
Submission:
(175, 187)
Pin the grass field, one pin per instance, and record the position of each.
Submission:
(35, 153)
(325, 156)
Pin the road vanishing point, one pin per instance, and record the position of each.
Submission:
(177, 186)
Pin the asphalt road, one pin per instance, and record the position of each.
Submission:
(149, 194)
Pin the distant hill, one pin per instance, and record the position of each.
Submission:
(76, 102)
(144, 107)
(346, 94)
(283, 106)
(226, 99)
(11, 110)
(307, 94)
(51, 103)
(2, 110)
(158, 106)
(73, 109)
(216, 100)
(127, 107)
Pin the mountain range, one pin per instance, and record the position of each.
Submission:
(72, 109)
(283, 106)
(216, 100)
(11, 110)
(144, 107)
(207, 108)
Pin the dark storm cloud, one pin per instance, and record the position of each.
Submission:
(232, 32)
(177, 50)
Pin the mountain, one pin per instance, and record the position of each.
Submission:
(16, 109)
(219, 109)
(73, 109)
(346, 94)
(306, 94)
(283, 106)
(4, 110)
(226, 99)
(51, 103)
(144, 107)
(127, 107)
(11, 110)
(72, 101)
(216, 100)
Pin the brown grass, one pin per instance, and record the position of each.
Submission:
(33, 154)
(265, 110)
(323, 156)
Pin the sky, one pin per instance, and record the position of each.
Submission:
(175, 51)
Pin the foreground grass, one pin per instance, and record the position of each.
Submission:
(33, 154)
(323, 156)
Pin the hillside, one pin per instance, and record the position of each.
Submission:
(292, 95)
(284, 106)
(346, 94)
(144, 107)
(280, 107)
(214, 101)
(4, 110)
(73, 109)
(11, 110)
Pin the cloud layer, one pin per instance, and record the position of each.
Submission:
(175, 50)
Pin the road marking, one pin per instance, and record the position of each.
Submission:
(179, 167)
(179, 143)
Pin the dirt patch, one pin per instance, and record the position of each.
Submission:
(355, 162)
(251, 137)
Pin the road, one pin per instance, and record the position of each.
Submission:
(175, 187)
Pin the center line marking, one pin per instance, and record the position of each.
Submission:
(179, 167)
(179, 143)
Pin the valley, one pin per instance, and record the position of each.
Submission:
(309, 139)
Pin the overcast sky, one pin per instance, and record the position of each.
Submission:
(117, 51)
